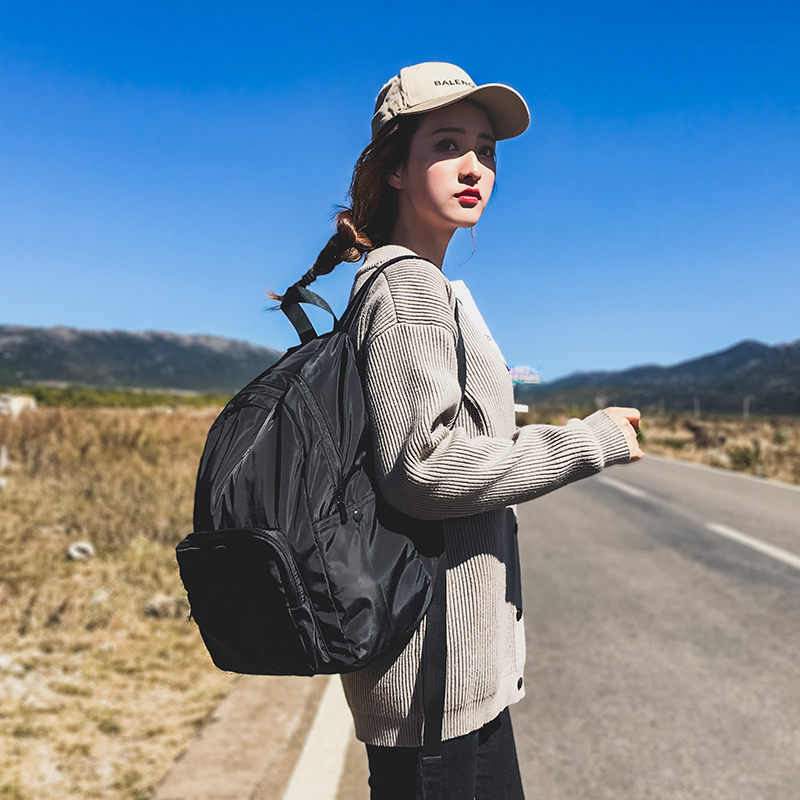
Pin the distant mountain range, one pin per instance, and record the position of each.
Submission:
(62, 356)
(768, 376)
(59, 356)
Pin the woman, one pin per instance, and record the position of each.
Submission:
(430, 170)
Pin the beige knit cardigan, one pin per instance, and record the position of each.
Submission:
(469, 476)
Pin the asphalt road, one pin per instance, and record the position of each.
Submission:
(663, 655)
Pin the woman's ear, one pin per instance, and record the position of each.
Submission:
(395, 179)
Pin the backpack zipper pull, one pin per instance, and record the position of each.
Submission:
(342, 510)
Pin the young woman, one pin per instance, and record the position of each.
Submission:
(428, 171)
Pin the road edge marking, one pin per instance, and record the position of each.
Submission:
(756, 544)
(318, 771)
(723, 471)
(621, 486)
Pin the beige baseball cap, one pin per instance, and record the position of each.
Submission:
(434, 84)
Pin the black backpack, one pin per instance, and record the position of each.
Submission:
(297, 566)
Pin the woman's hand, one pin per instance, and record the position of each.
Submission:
(628, 421)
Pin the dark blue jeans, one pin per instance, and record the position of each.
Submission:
(481, 765)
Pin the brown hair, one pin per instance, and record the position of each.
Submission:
(370, 219)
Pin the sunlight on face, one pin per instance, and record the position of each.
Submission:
(448, 178)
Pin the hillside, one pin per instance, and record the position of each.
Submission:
(114, 359)
(719, 382)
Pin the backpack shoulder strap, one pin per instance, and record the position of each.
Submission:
(434, 681)
(354, 306)
(297, 294)
(434, 649)
(360, 296)
(290, 305)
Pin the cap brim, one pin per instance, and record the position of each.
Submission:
(505, 107)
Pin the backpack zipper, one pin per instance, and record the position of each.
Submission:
(288, 560)
(281, 545)
(328, 443)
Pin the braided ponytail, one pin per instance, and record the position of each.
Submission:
(369, 221)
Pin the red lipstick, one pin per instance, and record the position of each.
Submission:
(469, 197)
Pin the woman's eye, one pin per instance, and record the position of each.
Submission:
(447, 146)
(487, 152)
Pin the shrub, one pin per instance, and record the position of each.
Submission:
(744, 458)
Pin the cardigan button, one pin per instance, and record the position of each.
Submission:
(519, 614)
(519, 683)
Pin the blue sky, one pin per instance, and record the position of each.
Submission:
(163, 164)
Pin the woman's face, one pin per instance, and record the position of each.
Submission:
(448, 177)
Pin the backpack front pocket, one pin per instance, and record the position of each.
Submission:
(250, 604)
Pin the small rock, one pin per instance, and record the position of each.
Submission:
(3, 483)
(7, 664)
(80, 551)
(13, 405)
(164, 606)
(99, 597)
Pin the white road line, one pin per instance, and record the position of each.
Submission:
(319, 769)
(728, 472)
(622, 487)
(763, 547)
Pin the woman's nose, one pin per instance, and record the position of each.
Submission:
(470, 166)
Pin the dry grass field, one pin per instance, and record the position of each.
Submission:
(97, 696)
(767, 448)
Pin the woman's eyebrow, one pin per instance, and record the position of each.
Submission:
(463, 132)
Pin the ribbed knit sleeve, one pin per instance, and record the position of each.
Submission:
(426, 469)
